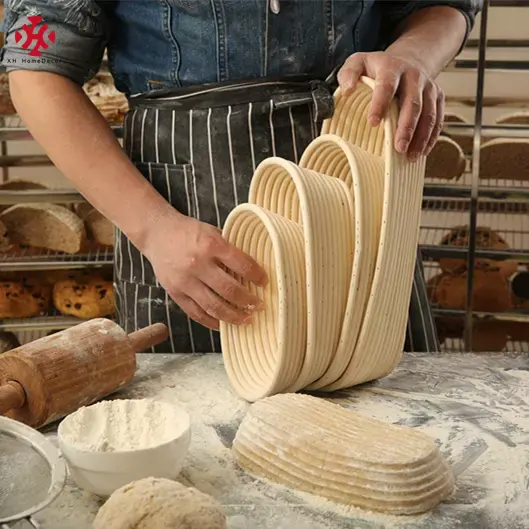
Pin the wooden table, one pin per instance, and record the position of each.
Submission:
(476, 406)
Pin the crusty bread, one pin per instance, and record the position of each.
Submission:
(465, 142)
(6, 105)
(19, 299)
(84, 296)
(45, 226)
(485, 239)
(19, 185)
(99, 228)
(489, 336)
(505, 159)
(5, 241)
(8, 341)
(516, 118)
(112, 104)
(446, 161)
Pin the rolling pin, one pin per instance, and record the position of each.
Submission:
(47, 379)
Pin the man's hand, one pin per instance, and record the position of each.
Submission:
(421, 100)
(190, 259)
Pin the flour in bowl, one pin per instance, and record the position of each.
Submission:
(121, 425)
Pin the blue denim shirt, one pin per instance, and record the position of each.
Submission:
(164, 43)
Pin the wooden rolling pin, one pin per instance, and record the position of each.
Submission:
(49, 378)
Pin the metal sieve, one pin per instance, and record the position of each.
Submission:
(32, 474)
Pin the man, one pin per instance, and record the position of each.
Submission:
(190, 150)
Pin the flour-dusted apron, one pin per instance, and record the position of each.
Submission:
(199, 148)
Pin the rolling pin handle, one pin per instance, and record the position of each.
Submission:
(12, 397)
(148, 337)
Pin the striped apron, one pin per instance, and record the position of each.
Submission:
(199, 148)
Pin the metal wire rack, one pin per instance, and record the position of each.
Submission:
(28, 259)
(499, 204)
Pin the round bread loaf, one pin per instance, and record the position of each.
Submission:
(84, 296)
(485, 239)
(491, 291)
(24, 299)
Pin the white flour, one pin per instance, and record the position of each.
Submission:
(491, 471)
(119, 425)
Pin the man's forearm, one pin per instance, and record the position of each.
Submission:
(78, 140)
(432, 36)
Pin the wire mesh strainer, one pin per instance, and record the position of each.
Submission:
(32, 474)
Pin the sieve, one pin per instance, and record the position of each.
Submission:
(32, 474)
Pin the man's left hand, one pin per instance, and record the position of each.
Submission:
(421, 100)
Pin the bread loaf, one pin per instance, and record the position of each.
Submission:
(19, 299)
(112, 104)
(6, 105)
(485, 239)
(505, 159)
(5, 241)
(8, 341)
(84, 296)
(491, 292)
(99, 228)
(516, 118)
(465, 142)
(19, 185)
(45, 226)
(446, 161)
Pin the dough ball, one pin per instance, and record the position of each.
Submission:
(154, 503)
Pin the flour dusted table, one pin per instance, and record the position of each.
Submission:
(476, 406)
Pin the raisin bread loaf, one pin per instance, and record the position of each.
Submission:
(84, 296)
(24, 299)
(45, 226)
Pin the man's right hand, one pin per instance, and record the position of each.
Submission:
(193, 262)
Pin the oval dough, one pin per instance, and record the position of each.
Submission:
(154, 503)
(318, 447)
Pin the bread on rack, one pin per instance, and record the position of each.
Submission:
(486, 239)
(45, 226)
(100, 229)
(515, 118)
(6, 104)
(447, 326)
(491, 292)
(8, 341)
(505, 159)
(17, 184)
(489, 336)
(84, 296)
(446, 161)
(465, 142)
(24, 299)
(5, 241)
(112, 104)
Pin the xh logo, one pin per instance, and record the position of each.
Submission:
(35, 36)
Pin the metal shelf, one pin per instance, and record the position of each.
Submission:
(519, 316)
(41, 323)
(54, 196)
(31, 260)
(487, 131)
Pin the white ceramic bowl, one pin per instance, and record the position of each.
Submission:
(102, 473)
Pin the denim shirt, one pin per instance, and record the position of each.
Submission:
(163, 43)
